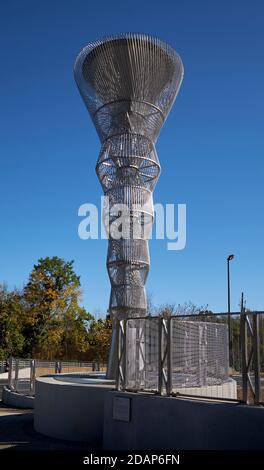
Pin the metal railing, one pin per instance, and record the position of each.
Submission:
(2, 367)
(191, 355)
(23, 372)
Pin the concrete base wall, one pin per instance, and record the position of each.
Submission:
(17, 400)
(163, 423)
(71, 411)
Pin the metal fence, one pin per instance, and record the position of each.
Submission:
(23, 372)
(194, 355)
(2, 366)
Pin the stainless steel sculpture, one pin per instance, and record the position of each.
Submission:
(128, 84)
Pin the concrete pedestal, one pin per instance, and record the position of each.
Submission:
(71, 410)
(165, 423)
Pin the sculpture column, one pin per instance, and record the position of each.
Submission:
(128, 84)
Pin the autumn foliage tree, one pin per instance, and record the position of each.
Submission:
(100, 339)
(55, 323)
(46, 319)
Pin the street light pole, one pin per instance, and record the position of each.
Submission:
(229, 258)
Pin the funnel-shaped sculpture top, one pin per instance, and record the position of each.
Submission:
(128, 84)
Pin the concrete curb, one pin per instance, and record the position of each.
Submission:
(16, 399)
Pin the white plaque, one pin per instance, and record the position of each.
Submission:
(121, 409)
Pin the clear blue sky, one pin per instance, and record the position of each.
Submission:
(210, 149)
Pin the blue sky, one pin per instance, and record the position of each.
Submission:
(210, 149)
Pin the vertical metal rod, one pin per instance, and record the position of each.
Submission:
(256, 359)
(229, 316)
(118, 342)
(243, 339)
(10, 362)
(231, 359)
(32, 376)
(125, 355)
(16, 374)
(137, 358)
(112, 358)
(169, 356)
(160, 356)
(121, 350)
(228, 286)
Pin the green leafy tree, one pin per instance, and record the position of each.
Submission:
(11, 323)
(56, 325)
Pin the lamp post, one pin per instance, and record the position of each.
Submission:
(229, 258)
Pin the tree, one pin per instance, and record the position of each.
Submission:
(56, 325)
(75, 340)
(11, 318)
(100, 339)
(188, 308)
(150, 304)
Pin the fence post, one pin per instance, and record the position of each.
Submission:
(125, 355)
(58, 367)
(121, 381)
(32, 376)
(16, 374)
(244, 353)
(10, 362)
(137, 355)
(118, 355)
(256, 358)
(169, 356)
(160, 355)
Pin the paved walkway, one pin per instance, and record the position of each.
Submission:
(17, 432)
(23, 373)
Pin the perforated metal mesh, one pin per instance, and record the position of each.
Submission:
(199, 354)
(142, 354)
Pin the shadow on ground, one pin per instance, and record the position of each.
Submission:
(17, 433)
